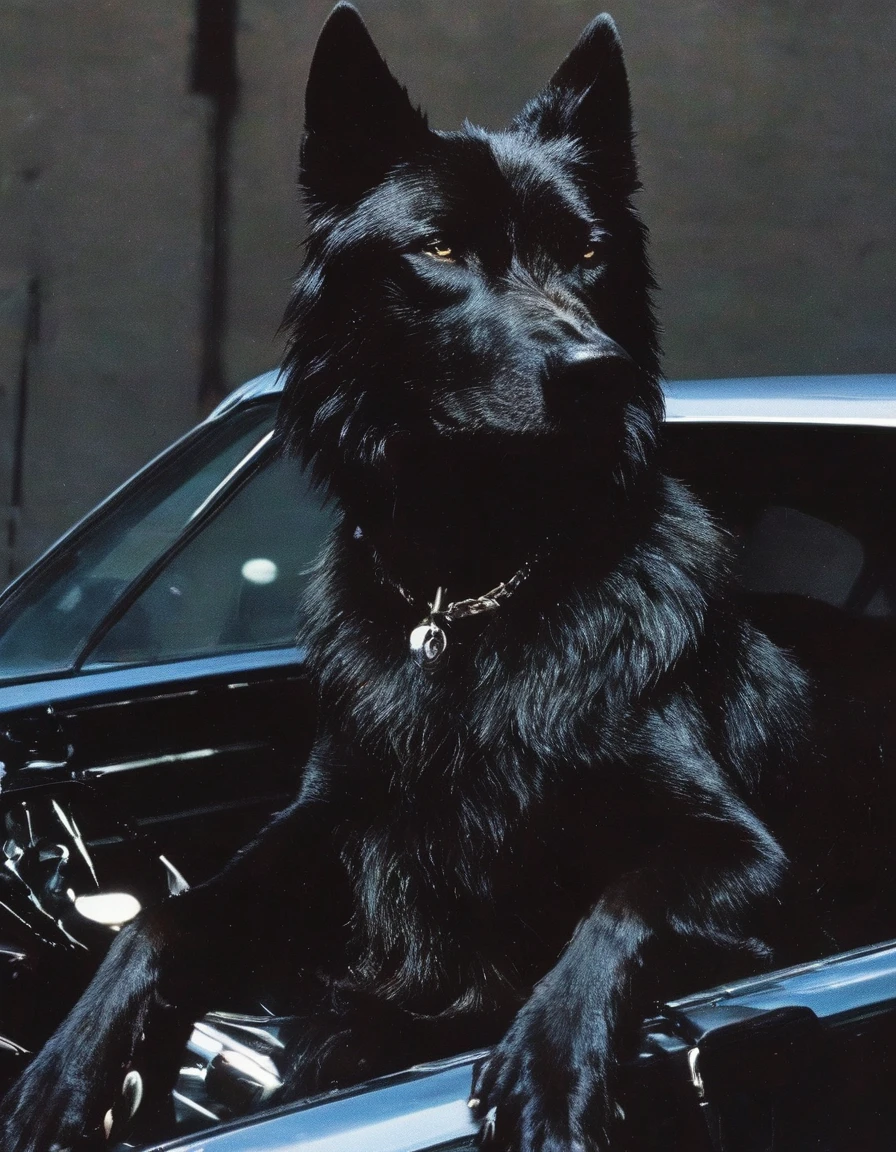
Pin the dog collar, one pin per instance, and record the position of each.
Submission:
(429, 639)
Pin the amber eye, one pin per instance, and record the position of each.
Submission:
(592, 252)
(439, 250)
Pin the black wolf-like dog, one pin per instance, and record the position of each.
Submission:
(556, 807)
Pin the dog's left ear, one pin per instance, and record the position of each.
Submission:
(359, 121)
(588, 99)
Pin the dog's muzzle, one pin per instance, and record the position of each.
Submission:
(589, 378)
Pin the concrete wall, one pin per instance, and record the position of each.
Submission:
(100, 199)
(767, 143)
(768, 147)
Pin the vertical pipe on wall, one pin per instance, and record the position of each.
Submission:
(30, 338)
(214, 75)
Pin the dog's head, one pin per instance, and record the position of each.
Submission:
(466, 288)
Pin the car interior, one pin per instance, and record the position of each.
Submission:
(811, 514)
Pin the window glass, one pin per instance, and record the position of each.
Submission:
(810, 508)
(236, 585)
(46, 623)
(790, 551)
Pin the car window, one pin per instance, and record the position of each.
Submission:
(812, 518)
(810, 508)
(790, 551)
(47, 620)
(237, 584)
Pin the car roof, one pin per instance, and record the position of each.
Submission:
(868, 399)
(860, 399)
(267, 384)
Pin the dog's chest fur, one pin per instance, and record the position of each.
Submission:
(460, 856)
(469, 879)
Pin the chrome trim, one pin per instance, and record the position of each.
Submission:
(694, 1069)
(425, 1108)
(222, 485)
(73, 686)
(170, 758)
(194, 1107)
(868, 400)
(10, 1046)
(209, 1041)
(269, 383)
(852, 421)
(835, 990)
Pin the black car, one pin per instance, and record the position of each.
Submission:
(154, 712)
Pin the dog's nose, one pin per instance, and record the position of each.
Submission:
(597, 374)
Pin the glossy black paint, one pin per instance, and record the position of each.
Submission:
(790, 1062)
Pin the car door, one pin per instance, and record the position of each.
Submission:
(419, 1110)
(155, 710)
(798, 1060)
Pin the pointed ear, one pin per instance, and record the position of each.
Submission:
(358, 118)
(588, 98)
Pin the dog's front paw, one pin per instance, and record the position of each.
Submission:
(51, 1108)
(545, 1087)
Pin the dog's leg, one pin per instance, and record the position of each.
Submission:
(185, 952)
(548, 1086)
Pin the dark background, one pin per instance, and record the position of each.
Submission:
(149, 226)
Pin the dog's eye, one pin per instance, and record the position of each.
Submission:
(439, 250)
(592, 253)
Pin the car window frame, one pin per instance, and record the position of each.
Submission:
(262, 453)
(686, 401)
(679, 412)
(56, 558)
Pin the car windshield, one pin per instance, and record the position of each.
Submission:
(46, 622)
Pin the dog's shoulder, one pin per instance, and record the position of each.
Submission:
(652, 608)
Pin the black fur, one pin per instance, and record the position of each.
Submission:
(565, 817)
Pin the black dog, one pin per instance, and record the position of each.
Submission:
(527, 812)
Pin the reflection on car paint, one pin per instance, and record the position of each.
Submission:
(420, 1109)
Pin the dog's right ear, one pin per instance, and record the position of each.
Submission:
(359, 121)
(588, 98)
